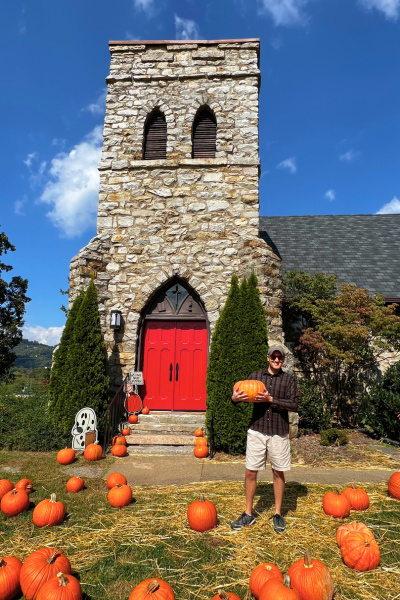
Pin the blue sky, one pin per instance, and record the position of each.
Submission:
(329, 115)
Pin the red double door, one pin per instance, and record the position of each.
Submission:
(175, 365)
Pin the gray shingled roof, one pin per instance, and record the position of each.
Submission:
(361, 249)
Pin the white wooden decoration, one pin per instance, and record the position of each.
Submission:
(85, 423)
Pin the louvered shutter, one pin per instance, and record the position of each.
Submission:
(155, 138)
(204, 135)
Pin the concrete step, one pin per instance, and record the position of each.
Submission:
(167, 417)
(160, 450)
(160, 440)
(170, 428)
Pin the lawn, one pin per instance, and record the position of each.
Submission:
(112, 550)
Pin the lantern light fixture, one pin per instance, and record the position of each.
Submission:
(116, 319)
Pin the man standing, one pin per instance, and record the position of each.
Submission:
(269, 434)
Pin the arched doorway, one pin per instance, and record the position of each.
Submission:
(174, 349)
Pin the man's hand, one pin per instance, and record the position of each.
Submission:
(263, 397)
(239, 396)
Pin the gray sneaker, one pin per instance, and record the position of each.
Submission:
(279, 524)
(243, 521)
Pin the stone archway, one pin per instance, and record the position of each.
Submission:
(174, 349)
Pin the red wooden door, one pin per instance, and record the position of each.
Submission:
(175, 365)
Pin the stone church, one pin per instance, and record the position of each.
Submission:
(178, 210)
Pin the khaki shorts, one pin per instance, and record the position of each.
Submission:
(259, 446)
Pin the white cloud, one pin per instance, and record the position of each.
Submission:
(391, 208)
(349, 156)
(390, 8)
(29, 159)
(285, 12)
(50, 335)
(288, 164)
(22, 24)
(73, 186)
(98, 107)
(330, 195)
(186, 29)
(147, 6)
(19, 206)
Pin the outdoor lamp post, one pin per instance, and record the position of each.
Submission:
(116, 319)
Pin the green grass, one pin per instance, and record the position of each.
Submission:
(112, 550)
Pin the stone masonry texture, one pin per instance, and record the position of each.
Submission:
(197, 219)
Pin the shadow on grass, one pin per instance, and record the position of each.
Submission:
(293, 491)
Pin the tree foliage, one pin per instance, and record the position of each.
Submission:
(79, 375)
(239, 346)
(381, 406)
(12, 308)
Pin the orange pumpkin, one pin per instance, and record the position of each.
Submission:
(118, 440)
(336, 504)
(93, 451)
(223, 595)
(358, 498)
(48, 512)
(133, 419)
(394, 485)
(145, 410)
(61, 587)
(126, 431)
(118, 450)
(24, 484)
(198, 432)
(115, 478)
(201, 451)
(5, 486)
(39, 567)
(202, 515)
(10, 568)
(75, 484)
(201, 441)
(360, 551)
(343, 530)
(275, 589)
(261, 575)
(66, 456)
(152, 589)
(311, 579)
(14, 502)
(251, 387)
(120, 495)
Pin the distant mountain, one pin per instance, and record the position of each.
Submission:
(33, 355)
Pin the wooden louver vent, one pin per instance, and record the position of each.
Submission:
(204, 135)
(155, 138)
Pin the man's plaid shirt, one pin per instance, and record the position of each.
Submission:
(271, 418)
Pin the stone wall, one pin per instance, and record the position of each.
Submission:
(197, 219)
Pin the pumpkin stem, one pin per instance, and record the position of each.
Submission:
(308, 560)
(223, 595)
(286, 581)
(153, 586)
(14, 491)
(268, 567)
(62, 580)
(52, 558)
(53, 498)
(2, 563)
(201, 499)
(354, 486)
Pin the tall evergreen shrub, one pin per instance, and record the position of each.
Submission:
(382, 405)
(234, 353)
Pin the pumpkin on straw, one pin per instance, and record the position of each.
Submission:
(358, 498)
(261, 575)
(15, 502)
(61, 587)
(152, 589)
(48, 512)
(311, 579)
(202, 515)
(39, 567)
(115, 478)
(10, 568)
(360, 551)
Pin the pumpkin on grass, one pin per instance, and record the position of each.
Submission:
(350, 527)
(75, 484)
(311, 579)
(360, 551)
(133, 419)
(119, 450)
(120, 495)
(394, 485)
(275, 589)
(24, 484)
(201, 451)
(202, 515)
(336, 504)
(10, 568)
(223, 595)
(66, 456)
(115, 478)
(5, 486)
(14, 502)
(39, 567)
(93, 451)
(358, 498)
(152, 589)
(261, 575)
(251, 387)
(48, 512)
(61, 587)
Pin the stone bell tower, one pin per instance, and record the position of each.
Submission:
(179, 196)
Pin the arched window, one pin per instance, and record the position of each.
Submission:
(155, 137)
(204, 135)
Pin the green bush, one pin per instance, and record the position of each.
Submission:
(313, 415)
(381, 406)
(334, 437)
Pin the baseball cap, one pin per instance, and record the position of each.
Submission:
(276, 348)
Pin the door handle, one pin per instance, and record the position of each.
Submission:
(176, 372)
(170, 372)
